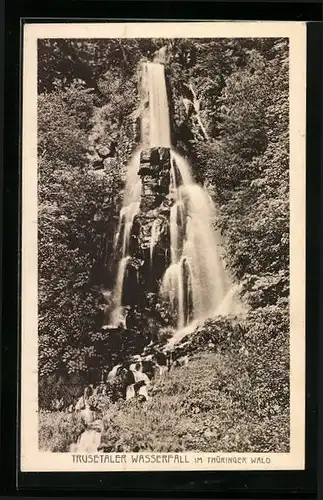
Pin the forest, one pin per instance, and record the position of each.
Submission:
(236, 140)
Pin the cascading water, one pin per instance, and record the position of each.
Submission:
(153, 240)
(88, 442)
(195, 282)
(159, 129)
(130, 208)
(196, 278)
(159, 135)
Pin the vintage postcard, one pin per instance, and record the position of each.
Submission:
(163, 246)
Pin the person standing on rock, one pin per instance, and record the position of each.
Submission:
(142, 383)
(161, 360)
(139, 382)
(88, 391)
(130, 382)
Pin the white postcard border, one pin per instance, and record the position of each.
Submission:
(32, 460)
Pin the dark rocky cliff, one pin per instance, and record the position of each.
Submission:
(150, 241)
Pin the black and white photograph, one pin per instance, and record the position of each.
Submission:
(163, 260)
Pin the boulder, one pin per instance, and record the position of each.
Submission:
(103, 151)
(155, 178)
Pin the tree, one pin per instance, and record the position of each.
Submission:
(64, 61)
(247, 167)
(76, 221)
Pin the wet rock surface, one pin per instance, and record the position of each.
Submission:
(155, 177)
(150, 235)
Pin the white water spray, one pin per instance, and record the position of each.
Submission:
(130, 208)
(88, 442)
(153, 239)
(116, 314)
(197, 270)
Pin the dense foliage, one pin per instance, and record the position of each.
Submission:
(247, 167)
(76, 221)
(58, 430)
(236, 138)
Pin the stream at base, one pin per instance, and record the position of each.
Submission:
(88, 442)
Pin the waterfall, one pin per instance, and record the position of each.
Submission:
(116, 314)
(195, 242)
(153, 239)
(88, 442)
(130, 207)
(196, 283)
(127, 215)
(159, 128)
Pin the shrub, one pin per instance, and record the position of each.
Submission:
(58, 430)
(260, 345)
(99, 403)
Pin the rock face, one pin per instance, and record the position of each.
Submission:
(150, 239)
(152, 223)
(102, 155)
(155, 177)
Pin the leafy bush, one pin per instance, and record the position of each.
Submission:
(63, 125)
(58, 430)
(73, 252)
(76, 223)
(260, 344)
(99, 403)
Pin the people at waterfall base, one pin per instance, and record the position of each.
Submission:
(141, 382)
(101, 389)
(88, 391)
(162, 362)
(132, 378)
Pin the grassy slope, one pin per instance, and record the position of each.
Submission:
(209, 405)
